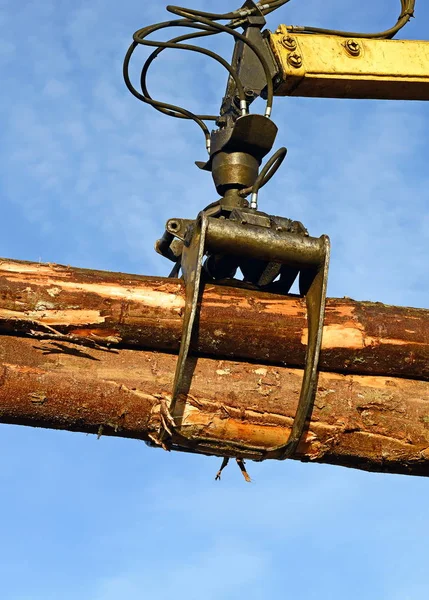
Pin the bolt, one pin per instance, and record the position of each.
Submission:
(352, 47)
(288, 42)
(295, 60)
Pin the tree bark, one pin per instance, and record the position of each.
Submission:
(373, 423)
(74, 352)
(119, 310)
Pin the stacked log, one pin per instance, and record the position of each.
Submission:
(95, 351)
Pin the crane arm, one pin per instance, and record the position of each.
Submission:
(329, 66)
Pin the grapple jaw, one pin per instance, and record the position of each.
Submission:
(270, 251)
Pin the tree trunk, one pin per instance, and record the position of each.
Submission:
(373, 423)
(97, 307)
(65, 366)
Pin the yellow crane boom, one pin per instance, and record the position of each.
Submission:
(329, 66)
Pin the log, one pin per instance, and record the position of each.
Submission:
(131, 311)
(367, 422)
(74, 346)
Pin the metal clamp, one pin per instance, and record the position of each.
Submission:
(244, 240)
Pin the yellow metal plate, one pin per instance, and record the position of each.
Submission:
(323, 66)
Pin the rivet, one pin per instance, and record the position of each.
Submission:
(352, 47)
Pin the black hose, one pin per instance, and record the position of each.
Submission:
(160, 105)
(206, 25)
(407, 11)
(149, 61)
(140, 37)
(239, 36)
(269, 169)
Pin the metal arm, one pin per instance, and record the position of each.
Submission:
(329, 66)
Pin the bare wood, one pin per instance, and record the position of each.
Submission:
(373, 423)
(100, 307)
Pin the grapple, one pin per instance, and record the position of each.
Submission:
(270, 251)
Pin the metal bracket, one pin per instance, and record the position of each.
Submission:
(247, 66)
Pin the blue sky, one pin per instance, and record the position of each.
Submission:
(88, 177)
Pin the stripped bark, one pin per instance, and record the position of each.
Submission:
(373, 423)
(96, 307)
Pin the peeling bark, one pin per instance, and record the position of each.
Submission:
(128, 311)
(372, 423)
